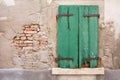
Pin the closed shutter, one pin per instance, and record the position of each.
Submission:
(68, 37)
(77, 36)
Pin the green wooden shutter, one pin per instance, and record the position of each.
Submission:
(83, 35)
(73, 36)
(93, 36)
(68, 37)
(77, 36)
(63, 37)
(88, 35)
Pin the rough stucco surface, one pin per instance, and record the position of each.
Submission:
(112, 75)
(24, 14)
(107, 43)
(112, 13)
(28, 12)
(25, 75)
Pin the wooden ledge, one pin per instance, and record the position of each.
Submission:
(81, 71)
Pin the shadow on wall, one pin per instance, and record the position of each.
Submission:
(107, 44)
(116, 55)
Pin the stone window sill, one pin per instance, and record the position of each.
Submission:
(81, 71)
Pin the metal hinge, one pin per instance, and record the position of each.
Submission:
(60, 15)
(92, 15)
(89, 59)
(57, 59)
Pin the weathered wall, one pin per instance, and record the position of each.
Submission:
(16, 49)
(112, 13)
(44, 42)
(18, 74)
(27, 12)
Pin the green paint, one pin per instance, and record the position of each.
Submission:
(83, 35)
(93, 36)
(77, 36)
(73, 36)
(63, 37)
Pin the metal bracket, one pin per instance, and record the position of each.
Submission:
(57, 59)
(60, 15)
(92, 15)
(89, 59)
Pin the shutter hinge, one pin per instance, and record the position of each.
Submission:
(92, 15)
(60, 15)
(89, 59)
(57, 59)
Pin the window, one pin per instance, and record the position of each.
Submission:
(77, 36)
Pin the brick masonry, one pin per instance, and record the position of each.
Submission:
(33, 45)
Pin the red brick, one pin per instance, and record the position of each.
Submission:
(29, 34)
(26, 48)
(16, 37)
(26, 26)
(32, 32)
(35, 25)
(22, 34)
(30, 37)
(27, 29)
(16, 41)
(27, 41)
(30, 44)
(22, 45)
(23, 37)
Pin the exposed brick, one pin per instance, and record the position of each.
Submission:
(27, 29)
(30, 37)
(26, 26)
(30, 44)
(27, 48)
(16, 37)
(32, 32)
(23, 37)
(29, 34)
(35, 25)
(16, 41)
(22, 45)
(21, 34)
(27, 41)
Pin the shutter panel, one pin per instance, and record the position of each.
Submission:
(73, 36)
(77, 36)
(68, 37)
(63, 37)
(83, 35)
(93, 36)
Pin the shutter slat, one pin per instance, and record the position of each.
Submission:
(63, 37)
(93, 36)
(83, 35)
(73, 36)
